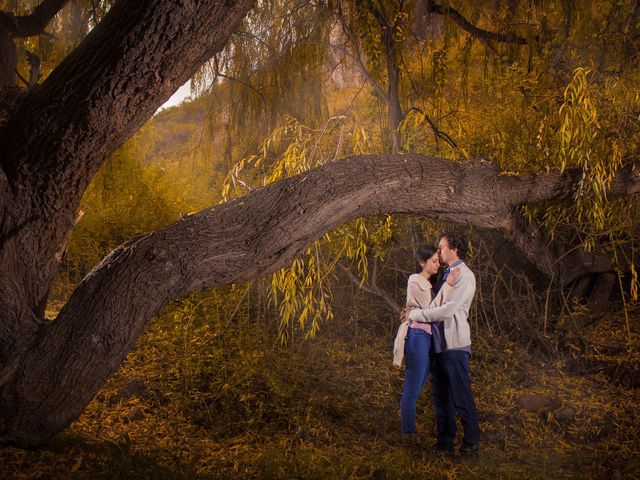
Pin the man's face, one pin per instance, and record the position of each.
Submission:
(447, 255)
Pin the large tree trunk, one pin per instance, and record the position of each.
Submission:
(53, 381)
(64, 129)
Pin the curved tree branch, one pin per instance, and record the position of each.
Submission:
(234, 242)
(437, 133)
(36, 22)
(477, 32)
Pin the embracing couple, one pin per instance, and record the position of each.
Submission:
(438, 341)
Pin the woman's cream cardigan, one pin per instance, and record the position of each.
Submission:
(419, 293)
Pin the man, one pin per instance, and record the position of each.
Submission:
(450, 380)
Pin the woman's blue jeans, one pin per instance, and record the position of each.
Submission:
(416, 355)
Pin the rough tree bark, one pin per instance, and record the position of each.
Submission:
(64, 129)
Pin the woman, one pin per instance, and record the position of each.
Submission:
(418, 340)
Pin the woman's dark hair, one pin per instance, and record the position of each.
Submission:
(457, 241)
(423, 253)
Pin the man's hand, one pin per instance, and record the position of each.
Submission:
(453, 276)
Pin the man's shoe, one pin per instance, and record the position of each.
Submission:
(469, 453)
(439, 447)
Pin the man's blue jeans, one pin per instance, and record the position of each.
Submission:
(451, 391)
(416, 354)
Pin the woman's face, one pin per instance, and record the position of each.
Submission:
(431, 266)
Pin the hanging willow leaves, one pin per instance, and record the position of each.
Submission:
(301, 291)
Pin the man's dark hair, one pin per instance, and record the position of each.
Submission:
(457, 241)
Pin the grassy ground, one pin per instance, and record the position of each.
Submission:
(226, 403)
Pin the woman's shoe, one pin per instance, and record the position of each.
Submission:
(411, 441)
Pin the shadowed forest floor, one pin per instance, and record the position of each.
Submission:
(201, 400)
